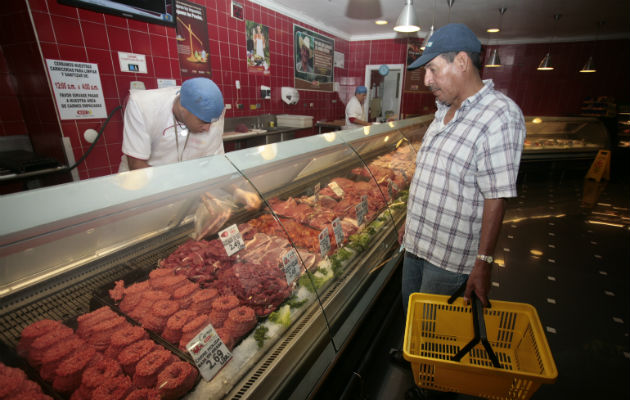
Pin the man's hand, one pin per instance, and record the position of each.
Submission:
(479, 282)
(251, 200)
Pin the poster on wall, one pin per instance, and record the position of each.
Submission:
(414, 79)
(77, 88)
(314, 57)
(258, 59)
(192, 40)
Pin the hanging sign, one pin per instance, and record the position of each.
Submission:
(314, 58)
(77, 88)
(192, 40)
(209, 352)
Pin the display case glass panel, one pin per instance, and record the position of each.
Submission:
(563, 137)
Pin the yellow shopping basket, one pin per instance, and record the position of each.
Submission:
(502, 356)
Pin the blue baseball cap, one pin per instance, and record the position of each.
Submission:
(449, 38)
(360, 90)
(203, 98)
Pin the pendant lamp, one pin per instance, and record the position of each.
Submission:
(407, 21)
(494, 60)
(426, 39)
(450, 6)
(545, 63)
(590, 66)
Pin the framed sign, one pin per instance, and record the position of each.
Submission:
(192, 40)
(237, 11)
(314, 60)
(414, 79)
(258, 56)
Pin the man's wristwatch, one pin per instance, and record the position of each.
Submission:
(485, 258)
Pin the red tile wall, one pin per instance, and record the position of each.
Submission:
(75, 34)
(11, 119)
(561, 91)
(25, 93)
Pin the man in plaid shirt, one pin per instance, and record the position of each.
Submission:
(466, 167)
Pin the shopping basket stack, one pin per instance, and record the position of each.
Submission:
(437, 333)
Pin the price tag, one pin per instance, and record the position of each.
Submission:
(336, 189)
(316, 192)
(324, 242)
(209, 352)
(361, 213)
(392, 188)
(362, 210)
(231, 239)
(338, 231)
(291, 266)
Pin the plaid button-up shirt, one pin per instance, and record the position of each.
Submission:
(474, 157)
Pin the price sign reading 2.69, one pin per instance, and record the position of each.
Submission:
(209, 352)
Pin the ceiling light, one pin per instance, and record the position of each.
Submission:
(407, 21)
(494, 60)
(380, 22)
(426, 40)
(545, 63)
(589, 66)
(493, 30)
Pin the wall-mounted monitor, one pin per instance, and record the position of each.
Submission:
(155, 11)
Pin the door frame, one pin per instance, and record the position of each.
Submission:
(368, 82)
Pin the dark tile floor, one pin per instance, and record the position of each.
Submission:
(565, 249)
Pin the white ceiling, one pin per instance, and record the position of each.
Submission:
(525, 21)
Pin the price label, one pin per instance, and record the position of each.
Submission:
(362, 209)
(324, 242)
(392, 188)
(336, 189)
(291, 266)
(231, 239)
(209, 352)
(338, 231)
(316, 192)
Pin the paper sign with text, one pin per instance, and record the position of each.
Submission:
(338, 231)
(209, 352)
(324, 242)
(232, 239)
(291, 264)
(77, 88)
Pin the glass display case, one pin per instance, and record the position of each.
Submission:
(270, 253)
(551, 138)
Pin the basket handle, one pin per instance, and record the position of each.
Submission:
(479, 325)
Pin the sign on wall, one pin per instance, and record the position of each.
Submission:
(314, 57)
(257, 39)
(77, 88)
(414, 79)
(192, 40)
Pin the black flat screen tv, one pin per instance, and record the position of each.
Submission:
(154, 11)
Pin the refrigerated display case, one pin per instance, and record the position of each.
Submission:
(283, 285)
(567, 138)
